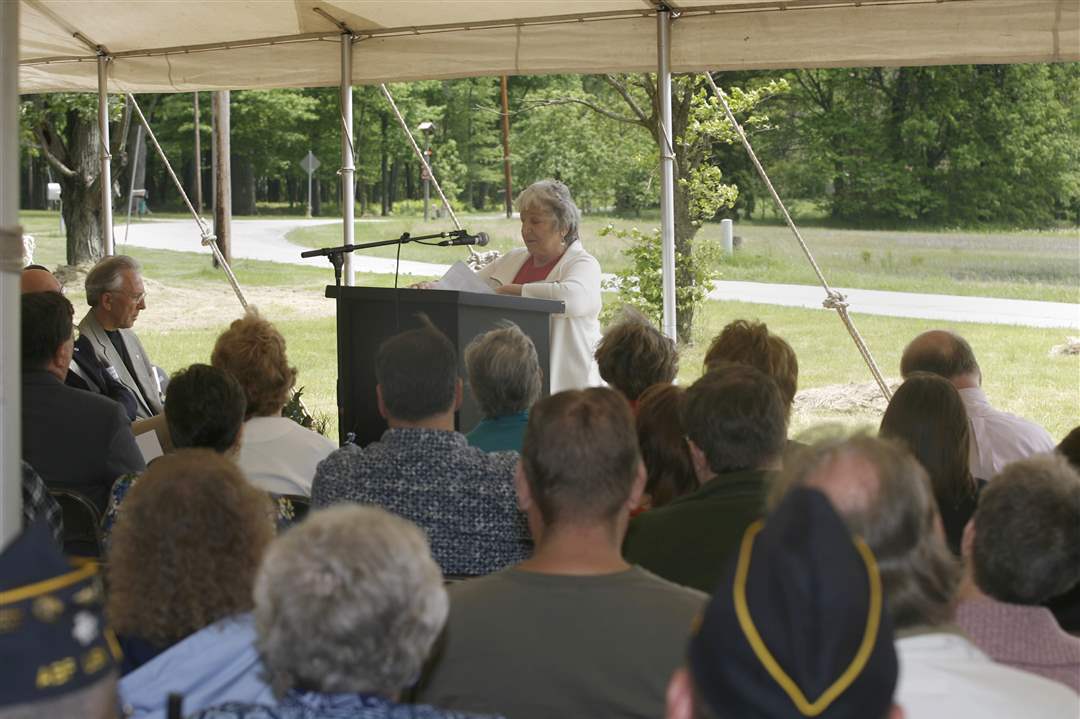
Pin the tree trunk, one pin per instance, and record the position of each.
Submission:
(316, 197)
(243, 187)
(81, 194)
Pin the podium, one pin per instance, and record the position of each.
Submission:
(368, 315)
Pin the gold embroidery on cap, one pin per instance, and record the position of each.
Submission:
(94, 660)
(56, 674)
(47, 608)
(10, 620)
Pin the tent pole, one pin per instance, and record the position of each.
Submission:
(348, 167)
(105, 177)
(667, 167)
(11, 260)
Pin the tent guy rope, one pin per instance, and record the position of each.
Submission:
(834, 300)
(208, 237)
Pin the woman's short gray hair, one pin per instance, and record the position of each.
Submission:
(348, 601)
(105, 277)
(504, 371)
(554, 197)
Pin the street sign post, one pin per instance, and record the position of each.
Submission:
(309, 164)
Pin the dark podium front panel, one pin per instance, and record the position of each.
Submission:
(368, 315)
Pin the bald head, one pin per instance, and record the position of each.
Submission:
(884, 496)
(943, 353)
(38, 279)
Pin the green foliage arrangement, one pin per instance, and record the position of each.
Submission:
(640, 284)
(296, 411)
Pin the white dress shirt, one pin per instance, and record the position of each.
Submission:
(998, 438)
(278, 455)
(944, 676)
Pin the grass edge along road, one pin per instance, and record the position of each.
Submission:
(1029, 265)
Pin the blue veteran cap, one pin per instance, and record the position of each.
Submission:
(53, 638)
(797, 628)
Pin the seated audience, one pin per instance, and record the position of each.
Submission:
(796, 627)
(885, 497)
(1021, 548)
(1066, 606)
(181, 569)
(347, 606)
(59, 658)
(75, 440)
(276, 453)
(574, 630)
(669, 470)
(505, 378)
(38, 504)
(116, 294)
(633, 355)
(736, 424)
(423, 470)
(927, 415)
(997, 437)
(204, 408)
(85, 372)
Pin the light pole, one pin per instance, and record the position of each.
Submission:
(426, 127)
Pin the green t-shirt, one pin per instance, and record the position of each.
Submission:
(537, 646)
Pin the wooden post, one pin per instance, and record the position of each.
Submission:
(223, 173)
(506, 149)
(198, 159)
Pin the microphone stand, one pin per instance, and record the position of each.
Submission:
(336, 256)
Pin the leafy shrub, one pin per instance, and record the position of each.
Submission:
(640, 283)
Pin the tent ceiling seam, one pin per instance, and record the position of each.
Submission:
(628, 14)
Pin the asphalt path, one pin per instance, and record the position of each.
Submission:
(265, 240)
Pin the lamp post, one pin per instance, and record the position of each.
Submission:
(427, 128)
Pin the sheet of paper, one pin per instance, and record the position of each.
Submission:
(148, 444)
(459, 277)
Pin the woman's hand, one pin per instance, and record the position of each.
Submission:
(508, 290)
(423, 286)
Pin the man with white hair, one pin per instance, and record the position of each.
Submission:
(116, 294)
(997, 437)
(884, 496)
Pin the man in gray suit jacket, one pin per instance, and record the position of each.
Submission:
(116, 294)
(74, 439)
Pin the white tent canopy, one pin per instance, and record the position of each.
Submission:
(186, 45)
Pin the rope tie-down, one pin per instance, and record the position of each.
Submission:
(834, 300)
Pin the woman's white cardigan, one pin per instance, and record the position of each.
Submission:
(575, 280)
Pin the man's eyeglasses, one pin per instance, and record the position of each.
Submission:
(136, 298)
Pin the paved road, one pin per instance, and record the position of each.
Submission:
(265, 240)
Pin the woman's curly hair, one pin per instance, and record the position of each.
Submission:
(186, 548)
(253, 351)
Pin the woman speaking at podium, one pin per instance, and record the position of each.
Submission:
(554, 266)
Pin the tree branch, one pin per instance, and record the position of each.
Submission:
(52, 159)
(589, 104)
(620, 88)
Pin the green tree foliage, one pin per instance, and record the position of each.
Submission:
(698, 131)
(955, 145)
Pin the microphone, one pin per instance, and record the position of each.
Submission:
(480, 238)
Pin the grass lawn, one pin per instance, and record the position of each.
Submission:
(1019, 265)
(190, 304)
